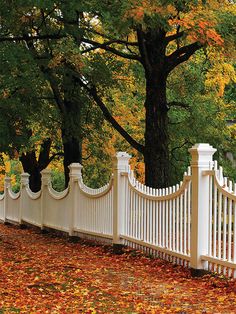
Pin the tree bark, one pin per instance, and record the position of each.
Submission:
(72, 152)
(30, 165)
(34, 166)
(156, 153)
(71, 124)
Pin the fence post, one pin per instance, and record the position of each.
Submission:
(23, 194)
(45, 179)
(75, 176)
(201, 161)
(7, 185)
(120, 166)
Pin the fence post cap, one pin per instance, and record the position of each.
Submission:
(202, 152)
(123, 155)
(46, 176)
(121, 161)
(202, 147)
(24, 178)
(7, 182)
(75, 170)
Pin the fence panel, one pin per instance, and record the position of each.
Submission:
(31, 210)
(159, 219)
(94, 214)
(56, 211)
(222, 224)
(13, 206)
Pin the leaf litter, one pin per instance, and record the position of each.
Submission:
(41, 273)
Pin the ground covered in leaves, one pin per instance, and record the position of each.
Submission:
(43, 273)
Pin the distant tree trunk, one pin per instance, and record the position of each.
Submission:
(72, 152)
(71, 124)
(34, 166)
(30, 165)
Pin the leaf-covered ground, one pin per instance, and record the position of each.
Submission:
(42, 273)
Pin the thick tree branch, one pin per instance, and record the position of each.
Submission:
(118, 41)
(93, 93)
(174, 36)
(54, 156)
(52, 80)
(181, 55)
(143, 50)
(106, 46)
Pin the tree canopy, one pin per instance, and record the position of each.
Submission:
(162, 73)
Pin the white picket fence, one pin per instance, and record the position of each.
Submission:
(192, 223)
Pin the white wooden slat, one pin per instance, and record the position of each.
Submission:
(181, 223)
(210, 217)
(170, 220)
(174, 222)
(189, 215)
(160, 219)
(219, 224)
(150, 218)
(185, 223)
(230, 224)
(163, 220)
(145, 216)
(177, 221)
(214, 220)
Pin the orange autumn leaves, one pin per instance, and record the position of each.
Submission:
(47, 274)
(149, 7)
(198, 23)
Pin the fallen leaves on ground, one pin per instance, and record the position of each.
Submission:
(42, 273)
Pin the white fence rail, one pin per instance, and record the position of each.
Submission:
(192, 223)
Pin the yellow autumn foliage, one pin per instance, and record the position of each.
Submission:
(220, 74)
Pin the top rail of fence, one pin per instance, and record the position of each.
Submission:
(161, 193)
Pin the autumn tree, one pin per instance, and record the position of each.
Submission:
(32, 25)
(159, 35)
(27, 117)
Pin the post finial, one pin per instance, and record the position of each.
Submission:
(46, 176)
(121, 161)
(75, 170)
(24, 179)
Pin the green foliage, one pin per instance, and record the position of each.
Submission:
(201, 119)
(58, 180)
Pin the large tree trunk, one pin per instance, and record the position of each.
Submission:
(156, 152)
